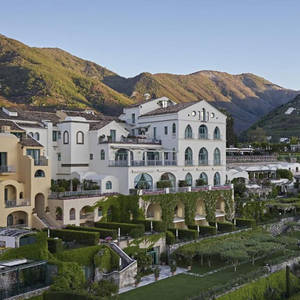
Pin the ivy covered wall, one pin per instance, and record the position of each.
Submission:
(121, 208)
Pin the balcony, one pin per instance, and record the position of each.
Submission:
(41, 161)
(15, 203)
(7, 170)
(141, 163)
(131, 140)
(251, 158)
(75, 194)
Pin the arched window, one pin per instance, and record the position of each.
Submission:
(21, 195)
(99, 211)
(189, 179)
(80, 138)
(31, 134)
(102, 154)
(143, 181)
(66, 137)
(203, 178)
(169, 177)
(174, 128)
(217, 178)
(108, 185)
(188, 156)
(217, 135)
(203, 132)
(188, 134)
(203, 115)
(37, 136)
(72, 214)
(217, 157)
(39, 173)
(203, 157)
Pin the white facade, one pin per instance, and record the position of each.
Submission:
(153, 141)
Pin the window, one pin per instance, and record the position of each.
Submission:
(217, 178)
(91, 156)
(203, 157)
(203, 132)
(154, 133)
(3, 160)
(21, 195)
(108, 185)
(37, 136)
(99, 211)
(174, 128)
(102, 154)
(143, 181)
(204, 178)
(133, 118)
(217, 135)
(188, 156)
(66, 137)
(31, 134)
(166, 130)
(80, 138)
(39, 173)
(59, 156)
(189, 179)
(72, 214)
(188, 134)
(113, 135)
(58, 135)
(217, 157)
(54, 136)
(35, 154)
(203, 115)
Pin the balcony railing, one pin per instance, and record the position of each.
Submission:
(132, 140)
(81, 194)
(41, 161)
(251, 158)
(87, 216)
(7, 169)
(141, 163)
(15, 203)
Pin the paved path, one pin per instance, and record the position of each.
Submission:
(164, 273)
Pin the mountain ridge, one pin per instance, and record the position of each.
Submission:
(51, 76)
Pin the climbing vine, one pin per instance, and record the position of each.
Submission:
(122, 208)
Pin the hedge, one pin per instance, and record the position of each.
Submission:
(125, 227)
(185, 234)
(170, 238)
(245, 222)
(258, 288)
(225, 226)
(55, 245)
(51, 295)
(208, 230)
(81, 237)
(104, 232)
(158, 226)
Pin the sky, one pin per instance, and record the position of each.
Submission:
(166, 36)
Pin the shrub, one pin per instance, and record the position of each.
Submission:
(106, 259)
(81, 237)
(170, 238)
(104, 232)
(182, 183)
(245, 222)
(125, 227)
(52, 295)
(158, 226)
(136, 232)
(200, 182)
(208, 230)
(104, 288)
(225, 226)
(163, 184)
(186, 234)
(55, 245)
(156, 272)
(164, 257)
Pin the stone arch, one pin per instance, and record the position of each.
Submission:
(17, 218)
(87, 213)
(179, 210)
(154, 212)
(10, 195)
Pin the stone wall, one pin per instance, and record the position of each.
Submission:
(280, 227)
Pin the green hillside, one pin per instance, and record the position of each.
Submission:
(279, 122)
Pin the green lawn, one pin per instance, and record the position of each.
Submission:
(183, 286)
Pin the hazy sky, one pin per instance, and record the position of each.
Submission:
(129, 37)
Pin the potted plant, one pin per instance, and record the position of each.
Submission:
(138, 279)
(156, 273)
(173, 268)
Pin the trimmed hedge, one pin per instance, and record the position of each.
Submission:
(67, 295)
(225, 227)
(158, 226)
(104, 232)
(185, 234)
(245, 222)
(81, 237)
(208, 230)
(125, 227)
(55, 245)
(170, 238)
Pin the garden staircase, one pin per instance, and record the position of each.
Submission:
(126, 260)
